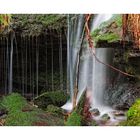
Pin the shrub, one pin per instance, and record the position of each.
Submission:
(133, 115)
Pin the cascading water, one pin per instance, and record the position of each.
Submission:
(100, 19)
(92, 75)
(61, 63)
(74, 41)
(11, 64)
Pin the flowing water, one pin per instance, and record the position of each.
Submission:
(31, 64)
(11, 64)
(92, 76)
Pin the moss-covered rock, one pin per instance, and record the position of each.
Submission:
(74, 119)
(54, 110)
(133, 115)
(56, 98)
(36, 24)
(13, 102)
(109, 31)
(22, 113)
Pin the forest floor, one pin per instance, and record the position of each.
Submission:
(16, 111)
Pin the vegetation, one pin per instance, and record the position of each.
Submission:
(4, 21)
(13, 102)
(133, 115)
(74, 119)
(35, 24)
(109, 37)
(57, 98)
(55, 110)
(108, 31)
(21, 113)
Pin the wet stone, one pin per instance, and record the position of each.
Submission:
(105, 117)
(95, 112)
(118, 113)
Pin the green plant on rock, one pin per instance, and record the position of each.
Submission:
(13, 102)
(20, 118)
(107, 32)
(54, 110)
(109, 37)
(74, 119)
(133, 115)
(134, 111)
(56, 98)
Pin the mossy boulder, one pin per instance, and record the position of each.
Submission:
(13, 102)
(54, 110)
(133, 115)
(105, 117)
(56, 98)
(22, 113)
(74, 119)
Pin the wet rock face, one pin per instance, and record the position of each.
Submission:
(122, 96)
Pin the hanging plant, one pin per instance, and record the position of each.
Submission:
(4, 21)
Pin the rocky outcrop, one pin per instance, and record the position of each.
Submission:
(122, 96)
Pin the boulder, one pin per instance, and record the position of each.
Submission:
(105, 117)
(56, 98)
(122, 96)
(54, 110)
(95, 112)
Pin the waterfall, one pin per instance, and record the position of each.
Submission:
(46, 65)
(37, 63)
(100, 19)
(51, 39)
(74, 41)
(22, 63)
(30, 65)
(91, 75)
(7, 66)
(11, 63)
(61, 63)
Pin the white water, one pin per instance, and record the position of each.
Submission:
(86, 74)
(93, 75)
(100, 19)
(11, 65)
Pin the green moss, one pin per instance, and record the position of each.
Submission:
(20, 113)
(109, 37)
(56, 98)
(13, 102)
(133, 115)
(74, 119)
(55, 110)
(20, 118)
(35, 24)
(134, 111)
(105, 32)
